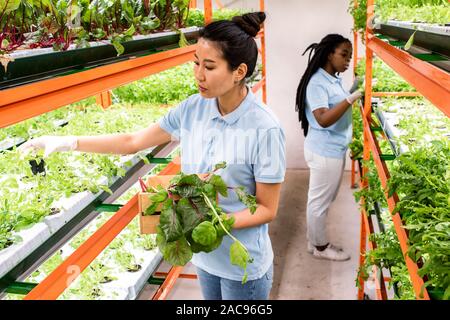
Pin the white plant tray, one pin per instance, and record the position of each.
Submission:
(427, 27)
(70, 207)
(31, 239)
(135, 281)
(10, 142)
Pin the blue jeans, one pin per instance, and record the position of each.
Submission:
(217, 288)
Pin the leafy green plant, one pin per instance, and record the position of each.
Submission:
(410, 41)
(7, 222)
(388, 255)
(356, 146)
(196, 17)
(167, 87)
(421, 179)
(58, 24)
(373, 193)
(127, 261)
(195, 222)
(64, 176)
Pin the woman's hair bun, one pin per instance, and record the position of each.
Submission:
(250, 22)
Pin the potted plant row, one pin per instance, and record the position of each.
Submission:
(45, 38)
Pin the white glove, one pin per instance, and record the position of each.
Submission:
(354, 96)
(50, 144)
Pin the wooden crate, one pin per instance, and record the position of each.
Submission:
(149, 223)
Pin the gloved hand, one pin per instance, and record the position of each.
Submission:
(50, 144)
(354, 96)
(356, 84)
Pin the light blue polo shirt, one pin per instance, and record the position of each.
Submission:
(325, 91)
(251, 141)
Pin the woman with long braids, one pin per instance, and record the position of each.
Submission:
(324, 110)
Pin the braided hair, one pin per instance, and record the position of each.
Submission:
(321, 52)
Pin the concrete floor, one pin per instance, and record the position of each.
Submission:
(297, 274)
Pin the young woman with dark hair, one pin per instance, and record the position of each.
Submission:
(224, 122)
(324, 110)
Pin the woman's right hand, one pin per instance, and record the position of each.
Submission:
(50, 144)
(354, 96)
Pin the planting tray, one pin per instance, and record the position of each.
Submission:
(130, 282)
(38, 64)
(134, 282)
(31, 239)
(10, 143)
(432, 37)
(70, 207)
(39, 233)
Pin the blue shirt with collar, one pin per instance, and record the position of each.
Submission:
(325, 91)
(251, 141)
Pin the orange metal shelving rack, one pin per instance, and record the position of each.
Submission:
(24, 102)
(431, 82)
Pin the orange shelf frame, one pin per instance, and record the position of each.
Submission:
(431, 82)
(27, 101)
(380, 286)
(371, 144)
(61, 278)
(208, 11)
(367, 230)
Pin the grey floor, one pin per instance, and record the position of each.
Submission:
(297, 275)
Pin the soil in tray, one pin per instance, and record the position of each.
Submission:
(107, 279)
(54, 211)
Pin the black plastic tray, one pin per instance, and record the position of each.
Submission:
(434, 42)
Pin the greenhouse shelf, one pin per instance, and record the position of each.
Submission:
(434, 38)
(372, 221)
(57, 281)
(367, 228)
(37, 64)
(32, 238)
(41, 232)
(371, 145)
(135, 282)
(76, 203)
(26, 101)
(130, 282)
(40, 242)
(430, 81)
(10, 142)
(390, 119)
(434, 84)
